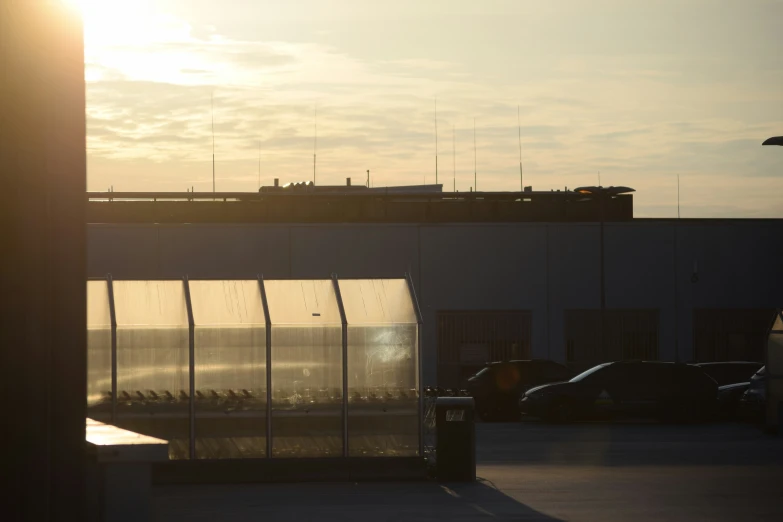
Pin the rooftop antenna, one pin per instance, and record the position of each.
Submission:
(678, 195)
(519, 128)
(454, 157)
(475, 181)
(436, 141)
(212, 102)
(315, 138)
(259, 164)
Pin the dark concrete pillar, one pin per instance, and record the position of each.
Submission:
(42, 260)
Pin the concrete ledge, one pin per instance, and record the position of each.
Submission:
(112, 444)
(118, 472)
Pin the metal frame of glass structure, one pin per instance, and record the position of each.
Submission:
(242, 369)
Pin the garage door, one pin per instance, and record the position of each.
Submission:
(467, 340)
(731, 334)
(627, 335)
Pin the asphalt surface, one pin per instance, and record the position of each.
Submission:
(537, 472)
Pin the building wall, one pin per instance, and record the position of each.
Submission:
(43, 353)
(544, 268)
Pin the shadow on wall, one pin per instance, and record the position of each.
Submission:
(415, 501)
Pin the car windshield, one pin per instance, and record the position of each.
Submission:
(480, 372)
(589, 372)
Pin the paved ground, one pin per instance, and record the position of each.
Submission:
(535, 472)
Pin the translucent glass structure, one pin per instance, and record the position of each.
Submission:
(153, 361)
(775, 372)
(98, 351)
(383, 411)
(230, 369)
(307, 369)
(251, 369)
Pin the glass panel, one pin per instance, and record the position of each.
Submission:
(230, 366)
(306, 369)
(152, 361)
(98, 351)
(377, 301)
(383, 410)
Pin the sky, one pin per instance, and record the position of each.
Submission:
(635, 92)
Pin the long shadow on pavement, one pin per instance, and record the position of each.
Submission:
(373, 502)
(610, 444)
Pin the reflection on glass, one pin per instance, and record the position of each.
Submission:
(306, 369)
(98, 351)
(382, 395)
(383, 414)
(152, 361)
(230, 369)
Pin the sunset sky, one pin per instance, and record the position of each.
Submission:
(640, 91)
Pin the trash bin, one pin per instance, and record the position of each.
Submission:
(456, 439)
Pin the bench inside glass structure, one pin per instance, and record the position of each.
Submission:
(242, 369)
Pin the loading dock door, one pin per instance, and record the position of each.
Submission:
(467, 340)
(627, 335)
(731, 334)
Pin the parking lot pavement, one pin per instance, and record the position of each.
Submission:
(537, 472)
(368, 502)
(627, 444)
(638, 472)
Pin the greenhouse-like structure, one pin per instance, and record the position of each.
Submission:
(259, 369)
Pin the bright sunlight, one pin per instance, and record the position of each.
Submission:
(115, 22)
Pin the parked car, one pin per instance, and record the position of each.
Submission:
(497, 387)
(753, 402)
(730, 372)
(667, 391)
(729, 399)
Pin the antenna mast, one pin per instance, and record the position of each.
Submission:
(212, 103)
(259, 164)
(475, 180)
(454, 156)
(315, 139)
(519, 128)
(436, 141)
(678, 195)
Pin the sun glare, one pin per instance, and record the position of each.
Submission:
(113, 22)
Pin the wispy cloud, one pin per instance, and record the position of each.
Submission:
(639, 112)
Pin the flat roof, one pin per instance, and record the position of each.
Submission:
(354, 207)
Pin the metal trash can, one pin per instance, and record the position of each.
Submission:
(456, 439)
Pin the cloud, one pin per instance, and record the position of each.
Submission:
(638, 115)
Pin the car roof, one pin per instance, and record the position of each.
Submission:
(527, 361)
(639, 361)
(659, 364)
(721, 363)
(733, 386)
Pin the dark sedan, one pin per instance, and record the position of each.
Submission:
(753, 402)
(497, 388)
(730, 372)
(729, 398)
(667, 391)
